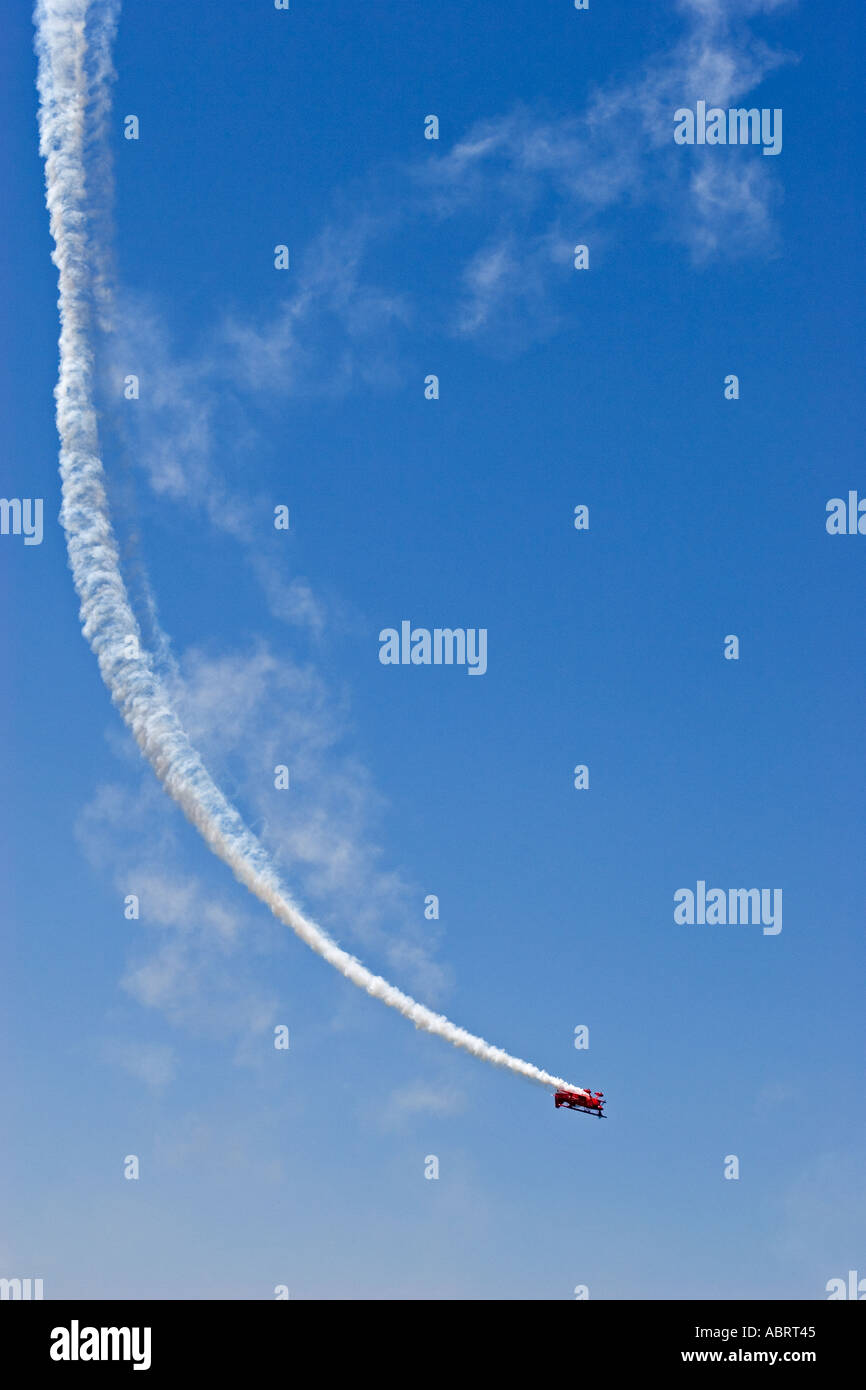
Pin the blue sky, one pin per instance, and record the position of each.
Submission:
(605, 647)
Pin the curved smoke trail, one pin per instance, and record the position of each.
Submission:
(73, 45)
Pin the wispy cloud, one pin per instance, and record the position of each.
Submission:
(254, 711)
(521, 188)
(151, 1063)
(189, 436)
(192, 958)
(550, 181)
(423, 1098)
(199, 962)
(326, 335)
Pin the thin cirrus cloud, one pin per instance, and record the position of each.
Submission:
(191, 959)
(154, 1064)
(324, 831)
(422, 1097)
(528, 185)
(190, 438)
(200, 963)
(552, 180)
(518, 191)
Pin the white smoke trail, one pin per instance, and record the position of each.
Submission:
(73, 39)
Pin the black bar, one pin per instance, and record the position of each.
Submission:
(225, 1338)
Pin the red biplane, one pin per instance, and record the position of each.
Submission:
(581, 1100)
